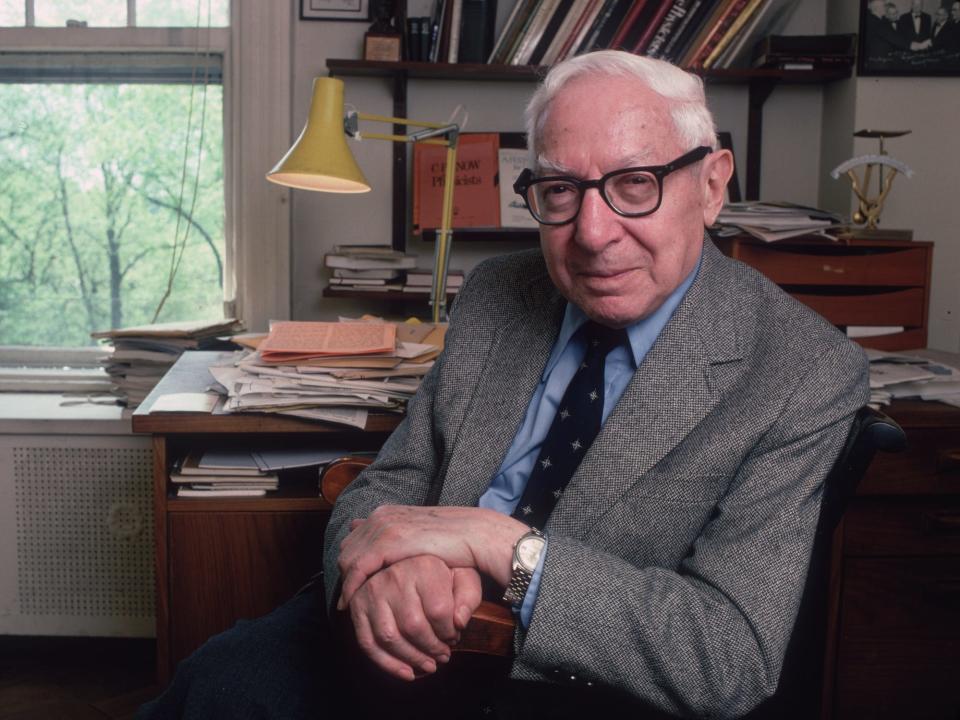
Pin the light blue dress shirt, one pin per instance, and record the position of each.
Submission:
(508, 484)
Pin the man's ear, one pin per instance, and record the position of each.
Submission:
(717, 169)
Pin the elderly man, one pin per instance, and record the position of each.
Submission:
(626, 435)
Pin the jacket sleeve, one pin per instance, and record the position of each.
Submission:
(407, 468)
(711, 634)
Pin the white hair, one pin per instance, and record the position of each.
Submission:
(692, 119)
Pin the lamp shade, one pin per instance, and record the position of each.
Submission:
(320, 158)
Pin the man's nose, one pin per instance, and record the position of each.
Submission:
(596, 222)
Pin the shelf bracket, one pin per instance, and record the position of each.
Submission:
(758, 92)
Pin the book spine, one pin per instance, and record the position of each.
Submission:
(590, 42)
(580, 30)
(556, 20)
(456, 15)
(735, 27)
(610, 27)
(531, 14)
(473, 30)
(668, 26)
(438, 25)
(720, 25)
(509, 28)
(533, 34)
(564, 34)
(425, 39)
(627, 24)
(640, 46)
(685, 30)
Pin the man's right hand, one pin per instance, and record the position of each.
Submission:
(407, 616)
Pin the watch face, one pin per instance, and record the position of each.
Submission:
(528, 552)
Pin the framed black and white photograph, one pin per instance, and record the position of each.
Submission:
(358, 10)
(909, 37)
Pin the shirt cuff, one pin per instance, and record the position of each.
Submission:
(530, 599)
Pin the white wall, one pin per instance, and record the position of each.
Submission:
(806, 133)
(930, 108)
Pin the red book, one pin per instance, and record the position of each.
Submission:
(627, 25)
(652, 27)
(476, 197)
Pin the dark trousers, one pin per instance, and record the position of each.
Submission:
(292, 664)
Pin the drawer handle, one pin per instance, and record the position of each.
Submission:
(834, 269)
(948, 461)
(941, 523)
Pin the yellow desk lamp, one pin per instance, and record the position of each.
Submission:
(320, 160)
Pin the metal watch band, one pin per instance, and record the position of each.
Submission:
(517, 589)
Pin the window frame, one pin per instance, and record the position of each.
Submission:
(257, 72)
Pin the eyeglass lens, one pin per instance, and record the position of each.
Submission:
(630, 193)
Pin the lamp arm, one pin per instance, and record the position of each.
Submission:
(441, 248)
(446, 134)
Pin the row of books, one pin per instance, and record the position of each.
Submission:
(378, 268)
(691, 33)
(456, 31)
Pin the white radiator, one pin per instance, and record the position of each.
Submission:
(76, 534)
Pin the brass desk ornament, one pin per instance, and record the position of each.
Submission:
(869, 209)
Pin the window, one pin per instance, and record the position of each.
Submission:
(111, 168)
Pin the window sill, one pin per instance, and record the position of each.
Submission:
(43, 414)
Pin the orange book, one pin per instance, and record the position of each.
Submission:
(476, 197)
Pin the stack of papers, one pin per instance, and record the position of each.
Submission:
(243, 473)
(143, 354)
(899, 375)
(367, 268)
(335, 372)
(775, 221)
(225, 474)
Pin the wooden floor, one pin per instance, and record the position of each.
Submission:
(74, 678)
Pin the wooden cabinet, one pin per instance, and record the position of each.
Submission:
(896, 649)
(859, 282)
(219, 560)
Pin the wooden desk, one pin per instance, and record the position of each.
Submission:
(894, 639)
(223, 559)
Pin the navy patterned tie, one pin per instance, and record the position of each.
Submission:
(574, 427)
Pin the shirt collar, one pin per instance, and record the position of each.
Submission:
(642, 334)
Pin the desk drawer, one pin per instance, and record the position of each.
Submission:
(878, 307)
(929, 465)
(838, 265)
(902, 528)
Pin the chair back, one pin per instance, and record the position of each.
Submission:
(800, 690)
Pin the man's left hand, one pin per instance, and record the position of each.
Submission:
(461, 537)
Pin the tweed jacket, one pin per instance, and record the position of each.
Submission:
(678, 552)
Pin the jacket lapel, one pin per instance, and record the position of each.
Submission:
(516, 358)
(670, 393)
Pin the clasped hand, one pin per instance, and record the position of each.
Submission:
(411, 579)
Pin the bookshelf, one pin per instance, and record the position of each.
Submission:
(760, 83)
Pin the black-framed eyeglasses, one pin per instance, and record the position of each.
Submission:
(630, 192)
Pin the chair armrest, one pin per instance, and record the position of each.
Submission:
(490, 630)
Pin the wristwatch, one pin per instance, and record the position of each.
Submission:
(526, 557)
